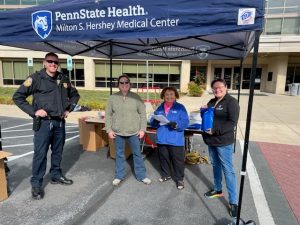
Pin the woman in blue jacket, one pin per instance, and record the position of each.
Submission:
(170, 136)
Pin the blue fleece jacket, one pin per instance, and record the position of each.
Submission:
(165, 134)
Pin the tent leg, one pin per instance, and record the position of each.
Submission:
(239, 92)
(240, 80)
(110, 66)
(248, 123)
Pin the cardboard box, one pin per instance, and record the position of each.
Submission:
(81, 129)
(92, 134)
(112, 149)
(3, 182)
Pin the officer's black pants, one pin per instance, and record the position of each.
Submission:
(51, 133)
(174, 155)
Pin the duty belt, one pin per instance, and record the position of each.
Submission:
(53, 118)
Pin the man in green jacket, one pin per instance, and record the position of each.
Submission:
(125, 119)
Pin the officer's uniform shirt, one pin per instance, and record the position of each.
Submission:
(53, 94)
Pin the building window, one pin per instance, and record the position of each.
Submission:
(28, 2)
(142, 75)
(218, 73)
(247, 76)
(270, 76)
(273, 26)
(102, 71)
(292, 75)
(292, 6)
(282, 17)
(77, 73)
(12, 2)
(15, 71)
(291, 26)
(197, 71)
(43, 2)
(159, 75)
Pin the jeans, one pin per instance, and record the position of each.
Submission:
(139, 166)
(221, 158)
(51, 133)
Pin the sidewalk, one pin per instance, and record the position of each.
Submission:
(275, 118)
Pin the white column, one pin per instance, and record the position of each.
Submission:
(89, 73)
(185, 75)
(209, 75)
(278, 65)
(1, 74)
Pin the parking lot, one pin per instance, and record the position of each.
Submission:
(92, 174)
(93, 200)
(18, 137)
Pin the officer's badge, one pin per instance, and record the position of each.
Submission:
(28, 82)
(65, 85)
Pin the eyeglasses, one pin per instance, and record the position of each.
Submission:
(125, 82)
(218, 88)
(52, 61)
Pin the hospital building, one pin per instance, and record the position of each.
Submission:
(278, 59)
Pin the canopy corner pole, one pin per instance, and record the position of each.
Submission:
(110, 66)
(147, 78)
(239, 93)
(240, 80)
(248, 123)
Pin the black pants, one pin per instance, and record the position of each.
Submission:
(51, 134)
(171, 154)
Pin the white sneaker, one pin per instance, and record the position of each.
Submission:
(146, 181)
(116, 182)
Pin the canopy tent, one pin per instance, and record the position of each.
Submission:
(136, 29)
(170, 29)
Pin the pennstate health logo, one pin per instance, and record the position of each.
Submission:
(246, 16)
(42, 23)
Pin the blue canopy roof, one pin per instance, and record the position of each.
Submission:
(169, 29)
(155, 29)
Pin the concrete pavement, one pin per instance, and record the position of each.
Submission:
(275, 118)
(274, 147)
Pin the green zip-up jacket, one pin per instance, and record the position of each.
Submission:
(126, 117)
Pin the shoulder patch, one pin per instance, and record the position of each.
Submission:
(28, 82)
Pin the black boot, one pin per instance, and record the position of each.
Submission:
(233, 210)
(62, 180)
(37, 193)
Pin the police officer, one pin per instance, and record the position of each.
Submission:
(53, 99)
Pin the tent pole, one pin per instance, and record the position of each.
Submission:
(147, 78)
(110, 66)
(239, 92)
(248, 122)
(240, 80)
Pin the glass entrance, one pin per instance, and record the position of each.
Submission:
(224, 73)
(246, 78)
(228, 76)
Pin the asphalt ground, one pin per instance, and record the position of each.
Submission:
(93, 200)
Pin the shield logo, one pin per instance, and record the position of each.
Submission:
(203, 54)
(42, 23)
